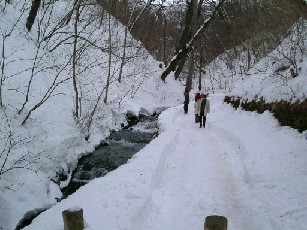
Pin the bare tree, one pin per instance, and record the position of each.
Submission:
(49, 93)
(32, 13)
(74, 58)
(59, 37)
(296, 42)
(129, 27)
(110, 62)
(33, 72)
(38, 67)
(182, 54)
(196, 8)
(5, 36)
(13, 139)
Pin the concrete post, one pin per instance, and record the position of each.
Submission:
(73, 219)
(216, 223)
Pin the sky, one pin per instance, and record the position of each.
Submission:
(241, 164)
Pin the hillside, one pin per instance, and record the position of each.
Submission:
(41, 134)
(265, 24)
(276, 82)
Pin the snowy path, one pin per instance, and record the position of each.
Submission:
(202, 176)
(242, 166)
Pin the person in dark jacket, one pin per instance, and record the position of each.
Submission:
(186, 102)
(197, 97)
(203, 107)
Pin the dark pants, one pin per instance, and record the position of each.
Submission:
(202, 120)
(185, 108)
(196, 118)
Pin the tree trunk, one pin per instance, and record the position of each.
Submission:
(164, 42)
(179, 68)
(184, 52)
(110, 59)
(189, 80)
(33, 12)
(74, 61)
(173, 64)
(130, 27)
(200, 69)
(2, 70)
(193, 25)
(186, 34)
(123, 57)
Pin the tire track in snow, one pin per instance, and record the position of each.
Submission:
(243, 176)
(146, 208)
(187, 178)
(234, 185)
(235, 144)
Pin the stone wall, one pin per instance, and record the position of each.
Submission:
(287, 113)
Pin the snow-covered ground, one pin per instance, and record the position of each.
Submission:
(268, 77)
(242, 166)
(52, 140)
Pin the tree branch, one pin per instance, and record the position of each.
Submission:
(32, 14)
(189, 46)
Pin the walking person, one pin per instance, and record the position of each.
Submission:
(197, 97)
(186, 102)
(203, 106)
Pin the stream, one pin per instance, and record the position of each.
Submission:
(116, 150)
(113, 152)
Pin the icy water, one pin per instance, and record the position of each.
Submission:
(118, 148)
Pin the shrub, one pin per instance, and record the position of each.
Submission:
(287, 114)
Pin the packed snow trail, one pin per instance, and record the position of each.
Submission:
(243, 166)
(203, 171)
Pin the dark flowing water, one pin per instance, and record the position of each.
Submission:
(116, 150)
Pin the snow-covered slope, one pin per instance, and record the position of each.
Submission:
(271, 77)
(51, 140)
(268, 78)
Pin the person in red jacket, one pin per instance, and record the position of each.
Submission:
(197, 96)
